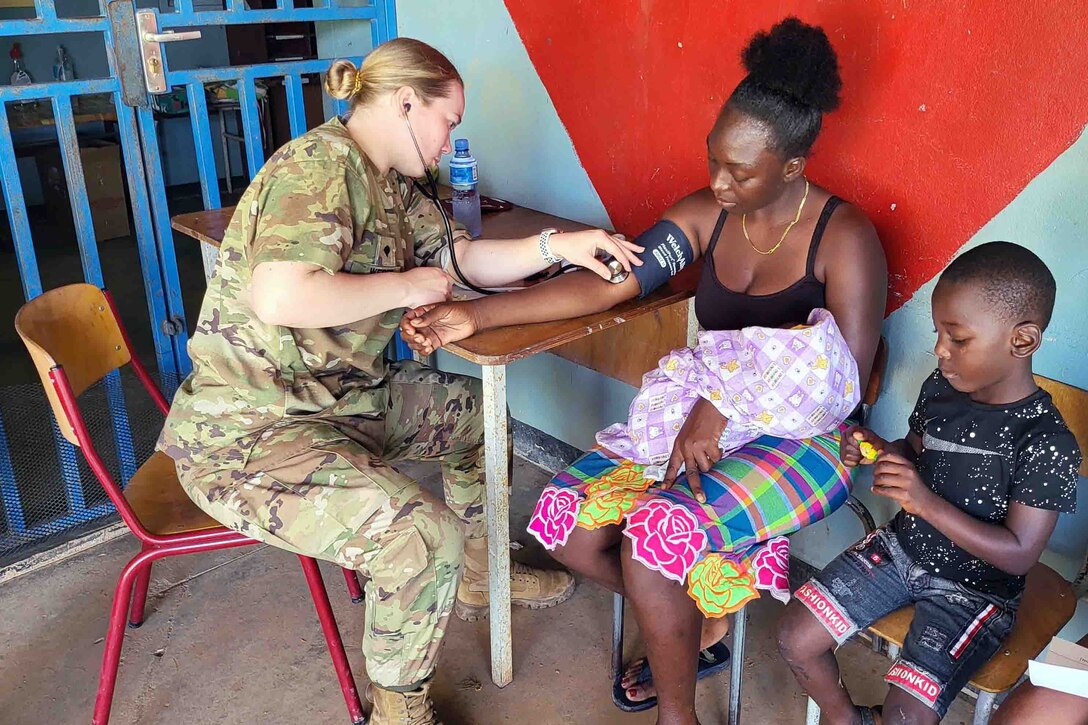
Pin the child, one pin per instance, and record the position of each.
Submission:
(981, 477)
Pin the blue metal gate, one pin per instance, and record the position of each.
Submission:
(136, 34)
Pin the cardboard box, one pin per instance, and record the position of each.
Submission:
(1064, 669)
(105, 187)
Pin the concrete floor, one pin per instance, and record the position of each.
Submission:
(232, 637)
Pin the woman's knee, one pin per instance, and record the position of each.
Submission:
(565, 554)
(800, 636)
(585, 543)
(640, 581)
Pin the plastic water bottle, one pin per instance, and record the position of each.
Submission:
(62, 66)
(463, 179)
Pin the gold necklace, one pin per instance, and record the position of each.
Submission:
(781, 239)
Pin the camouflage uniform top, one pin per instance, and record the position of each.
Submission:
(318, 200)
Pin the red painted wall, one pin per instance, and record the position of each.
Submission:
(949, 109)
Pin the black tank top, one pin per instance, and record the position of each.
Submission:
(719, 308)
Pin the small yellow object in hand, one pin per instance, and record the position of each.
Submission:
(868, 451)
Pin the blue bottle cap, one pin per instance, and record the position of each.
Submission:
(460, 144)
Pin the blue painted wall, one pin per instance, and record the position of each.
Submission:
(524, 152)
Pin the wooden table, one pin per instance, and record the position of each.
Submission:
(493, 350)
(204, 226)
(89, 109)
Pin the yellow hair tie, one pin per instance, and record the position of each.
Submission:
(358, 83)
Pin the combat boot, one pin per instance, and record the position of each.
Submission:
(529, 587)
(401, 708)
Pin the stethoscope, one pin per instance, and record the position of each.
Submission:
(430, 192)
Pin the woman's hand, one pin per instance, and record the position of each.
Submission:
(427, 328)
(852, 451)
(582, 248)
(427, 286)
(696, 446)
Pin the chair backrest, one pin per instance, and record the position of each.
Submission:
(1072, 402)
(73, 328)
(76, 338)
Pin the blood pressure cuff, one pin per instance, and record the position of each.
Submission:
(667, 251)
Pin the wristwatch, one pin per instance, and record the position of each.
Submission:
(545, 247)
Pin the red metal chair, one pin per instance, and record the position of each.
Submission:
(76, 338)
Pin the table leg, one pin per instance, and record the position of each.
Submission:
(496, 456)
(208, 255)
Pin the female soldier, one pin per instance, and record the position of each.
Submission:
(775, 248)
(288, 422)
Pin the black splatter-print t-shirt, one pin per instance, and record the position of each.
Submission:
(980, 458)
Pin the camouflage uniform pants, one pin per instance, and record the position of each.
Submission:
(323, 488)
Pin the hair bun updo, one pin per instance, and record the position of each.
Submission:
(797, 60)
(793, 80)
(396, 63)
(343, 80)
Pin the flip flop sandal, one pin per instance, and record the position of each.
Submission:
(714, 658)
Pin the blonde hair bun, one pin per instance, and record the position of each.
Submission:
(394, 64)
(343, 80)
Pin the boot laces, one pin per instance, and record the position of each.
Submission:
(420, 708)
(523, 572)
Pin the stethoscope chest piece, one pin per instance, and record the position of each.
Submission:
(616, 270)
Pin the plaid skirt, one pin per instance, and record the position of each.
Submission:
(724, 550)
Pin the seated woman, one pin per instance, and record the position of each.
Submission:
(802, 249)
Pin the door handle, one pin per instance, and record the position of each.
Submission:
(170, 36)
(147, 24)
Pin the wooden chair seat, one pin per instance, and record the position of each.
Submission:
(1047, 605)
(161, 503)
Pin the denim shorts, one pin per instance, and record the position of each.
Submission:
(955, 631)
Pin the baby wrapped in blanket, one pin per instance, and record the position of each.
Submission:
(791, 383)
